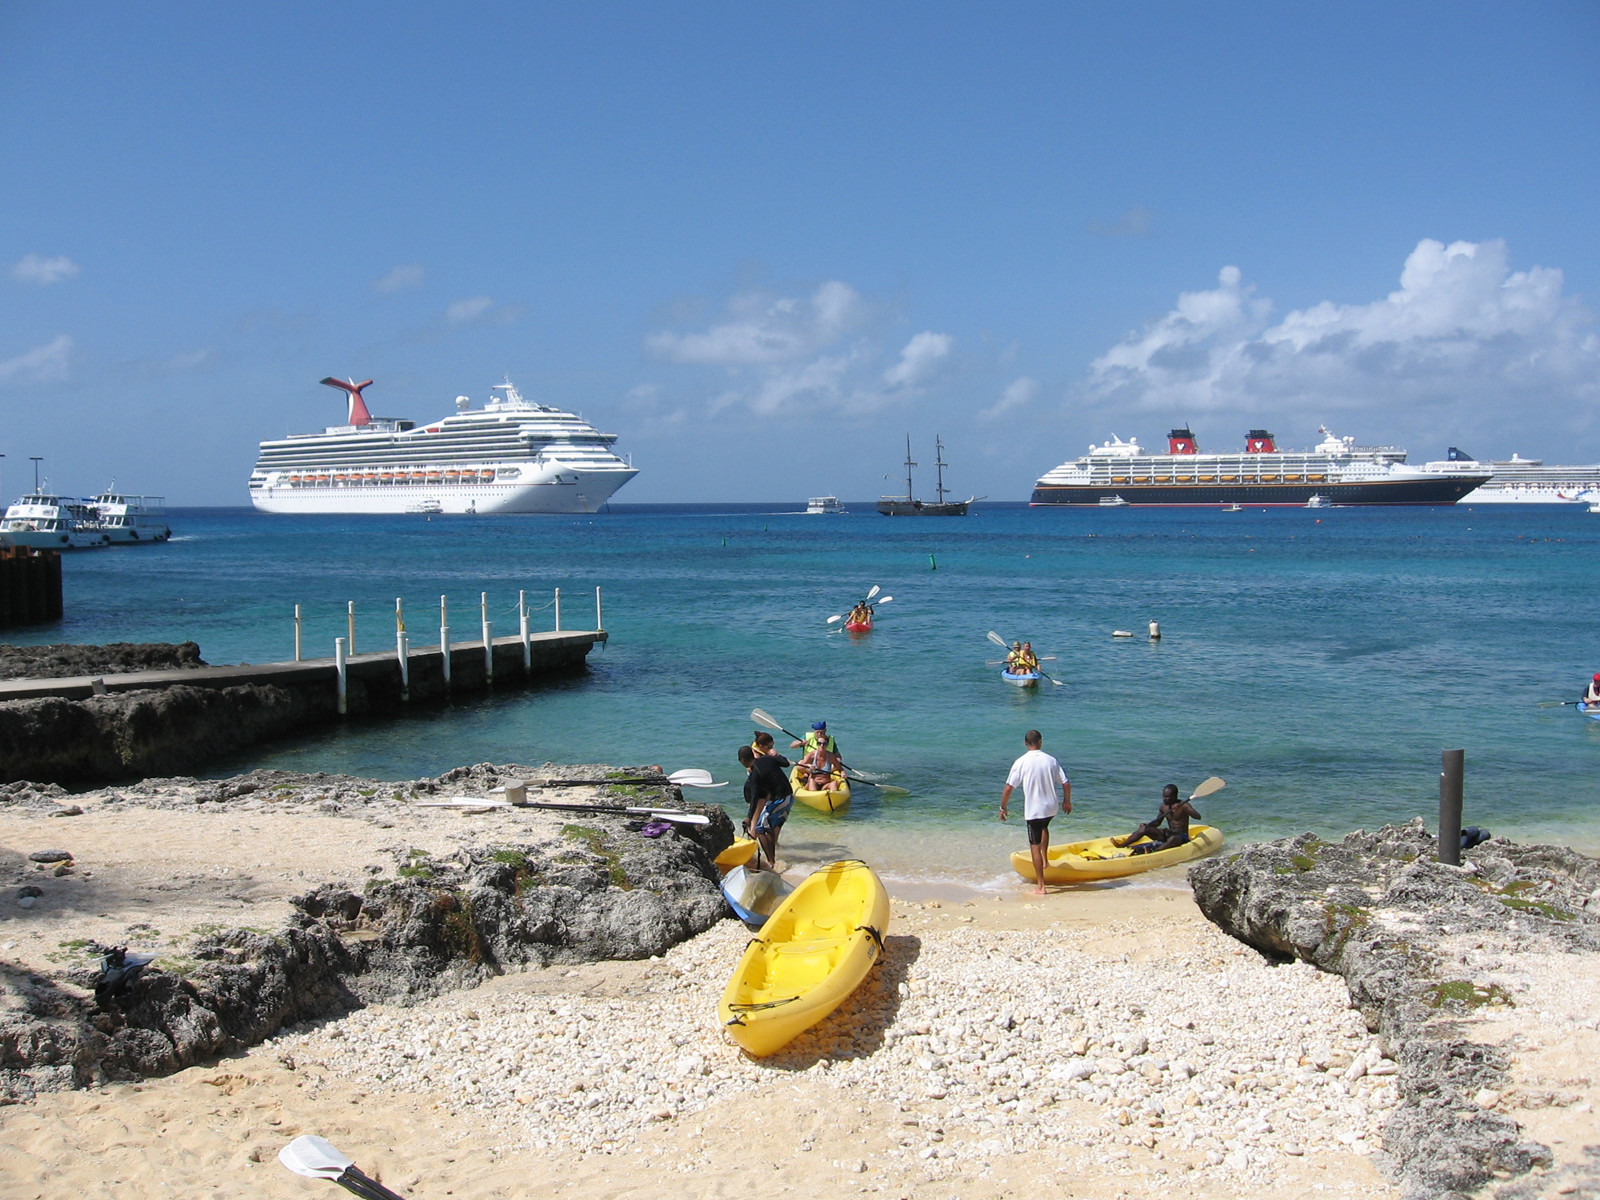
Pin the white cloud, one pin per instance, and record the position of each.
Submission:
(784, 353)
(42, 364)
(762, 329)
(1018, 393)
(918, 359)
(1136, 222)
(404, 278)
(1461, 327)
(35, 268)
(480, 310)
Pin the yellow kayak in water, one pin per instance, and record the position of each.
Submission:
(835, 799)
(1084, 862)
(813, 951)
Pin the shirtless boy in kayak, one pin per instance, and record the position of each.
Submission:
(1175, 814)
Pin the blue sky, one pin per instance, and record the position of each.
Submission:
(762, 242)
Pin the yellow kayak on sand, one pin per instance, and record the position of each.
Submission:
(1084, 862)
(736, 855)
(814, 950)
(835, 799)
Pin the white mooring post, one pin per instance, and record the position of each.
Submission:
(558, 610)
(444, 640)
(402, 650)
(599, 625)
(297, 633)
(350, 617)
(488, 638)
(340, 658)
(527, 644)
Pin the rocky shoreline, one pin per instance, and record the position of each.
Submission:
(1422, 947)
(570, 887)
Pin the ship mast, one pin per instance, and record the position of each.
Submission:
(909, 465)
(939, 464)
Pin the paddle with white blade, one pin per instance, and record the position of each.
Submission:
(1214, 784)
(318, 1158)
(762, 717)
(1004, 645)
(879, 604)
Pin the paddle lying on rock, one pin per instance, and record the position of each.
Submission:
(762, 717)
(676, 816)
(842, 616)
(1005, 645)
(689, 777)
(318, 1158)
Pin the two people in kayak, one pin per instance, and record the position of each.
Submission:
(821, 758)
(861, 614)
(1022, 660)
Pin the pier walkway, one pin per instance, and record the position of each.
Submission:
(378, 677)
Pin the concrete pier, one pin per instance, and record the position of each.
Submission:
(373, 680)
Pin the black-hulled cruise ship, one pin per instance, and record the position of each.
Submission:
(1336, 472)
(508, 457)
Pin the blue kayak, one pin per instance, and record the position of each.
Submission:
(1025, 679)
(754, 894)
(1592, 711)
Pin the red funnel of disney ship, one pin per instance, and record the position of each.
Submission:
(509, 456)
(1336, 472)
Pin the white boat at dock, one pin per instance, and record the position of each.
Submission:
(42, 521)
(131, 520)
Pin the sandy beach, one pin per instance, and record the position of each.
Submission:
(1099, 1043)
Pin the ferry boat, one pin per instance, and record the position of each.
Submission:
(130, 520)
(41, 521)
(1519, 480)
(510, 456)
(909, 506)
(1337, 470)
(824, 506)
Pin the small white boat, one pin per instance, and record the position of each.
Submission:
(1122, 633)
(1113, 502)
(1233, 508)
(129, 520)
(426, 506)
(41, 521)
(826, 506)
(1319, 502)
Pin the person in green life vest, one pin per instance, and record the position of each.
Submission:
(818, 736)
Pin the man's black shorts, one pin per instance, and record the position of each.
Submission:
(1036, 828)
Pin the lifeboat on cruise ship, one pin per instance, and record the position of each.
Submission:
(433, 476)
(486, 476)
(452, 475)
(386, 476)
(418, 476)
(293, 479)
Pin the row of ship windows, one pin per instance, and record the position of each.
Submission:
(1218, 478)
(364, 478)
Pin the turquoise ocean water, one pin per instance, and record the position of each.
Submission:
(1319, 660)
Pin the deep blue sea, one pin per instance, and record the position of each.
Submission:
(1319, 660)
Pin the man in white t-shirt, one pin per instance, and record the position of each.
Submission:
(1038, 775)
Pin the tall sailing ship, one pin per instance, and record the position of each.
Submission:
(909, 506)
(509, 456)
(1337, 470)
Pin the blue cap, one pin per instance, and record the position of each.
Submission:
(819, 725)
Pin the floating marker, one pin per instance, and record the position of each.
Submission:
(932, 563)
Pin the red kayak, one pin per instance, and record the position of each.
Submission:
(858, 626)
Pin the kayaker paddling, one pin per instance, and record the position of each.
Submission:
(1591, 694)
(1038, 775)
(1169, 829)
(818, 736)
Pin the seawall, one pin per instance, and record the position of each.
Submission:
(87, 729)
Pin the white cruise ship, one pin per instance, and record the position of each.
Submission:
(509, 456)
(1520, 480)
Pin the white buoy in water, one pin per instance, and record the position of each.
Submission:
(1122, 633)
(1155, 632)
